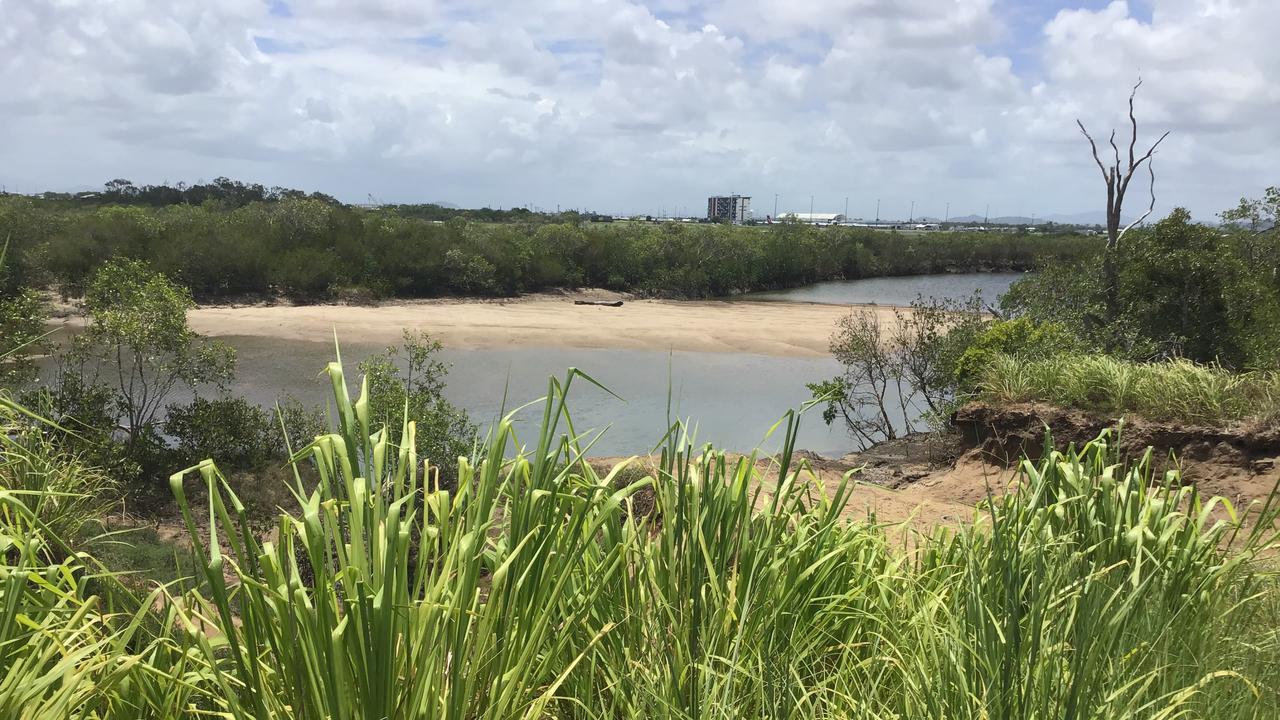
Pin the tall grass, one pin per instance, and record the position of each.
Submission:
(1177, 390)
(538, 589)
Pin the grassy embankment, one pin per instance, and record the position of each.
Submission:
(537, 589)
(1173, 391)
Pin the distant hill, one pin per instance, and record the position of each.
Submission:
(1084, 218)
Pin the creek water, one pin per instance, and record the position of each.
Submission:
(898, 290)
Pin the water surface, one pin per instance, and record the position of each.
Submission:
(898, 290)
(732, 399)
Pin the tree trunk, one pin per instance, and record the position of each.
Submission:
(1110, 276)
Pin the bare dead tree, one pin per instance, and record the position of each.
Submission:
(1117, 177)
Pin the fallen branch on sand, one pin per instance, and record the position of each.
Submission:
(602, 303)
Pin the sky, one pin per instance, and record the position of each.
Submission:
(630, 106)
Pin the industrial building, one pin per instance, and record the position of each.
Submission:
(732, 208)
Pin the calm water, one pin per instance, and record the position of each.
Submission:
(898, 290)
(731, 399)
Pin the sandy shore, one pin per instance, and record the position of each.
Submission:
(771, 328)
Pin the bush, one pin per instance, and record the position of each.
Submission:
(234, 430)
(408, 381)
(898, 373)
(1184, 290)
(1020, 337)
(294, 424)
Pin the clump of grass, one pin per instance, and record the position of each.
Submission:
(1176, 390)
(1091, 591)
(67, 495)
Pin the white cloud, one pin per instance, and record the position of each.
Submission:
(619, 105)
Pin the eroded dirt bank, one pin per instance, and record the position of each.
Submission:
(924, 481)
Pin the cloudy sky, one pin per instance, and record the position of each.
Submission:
(626, 105)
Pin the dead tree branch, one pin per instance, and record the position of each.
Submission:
(1151, 168)
(1118, 175)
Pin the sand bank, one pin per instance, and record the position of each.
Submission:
(770, 328)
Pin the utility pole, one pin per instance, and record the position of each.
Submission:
(912, 216)
(947, 218)
(775, 206)
(986, 214)
(846, 208)
(810, 208)
(877, 210)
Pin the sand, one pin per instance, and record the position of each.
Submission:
(768, 328)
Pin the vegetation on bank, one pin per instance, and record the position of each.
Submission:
(312, 249)
(1196, 336)
(1174, 390)
(137, 392)
(538, 588)
(1185, 289)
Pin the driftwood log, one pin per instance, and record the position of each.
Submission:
(601, 303)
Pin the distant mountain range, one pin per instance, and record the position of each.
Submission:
(1085, 218)
(1082, 218)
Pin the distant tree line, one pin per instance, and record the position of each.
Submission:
(245, 240)
(222, 191)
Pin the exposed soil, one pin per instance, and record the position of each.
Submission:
(1240, 462)
(925, 479)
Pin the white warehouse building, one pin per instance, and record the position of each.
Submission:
(813, 218)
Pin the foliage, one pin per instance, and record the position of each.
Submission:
(1256, 214)
(66, 496)
(1090, 590)
(1184, 290)
(311, 249)
(1019, 337)
(69, 651)
(1189, 286)
(1255, 224)
(294, 424)
(21, 326)
(1175, 390)
(234, 430)
(897, 372)
(408, 380)
(138, 343)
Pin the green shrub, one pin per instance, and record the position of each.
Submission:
(1184, 289)
(294, 424)
(1019, 337)
(408, 380)
(232, 429)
